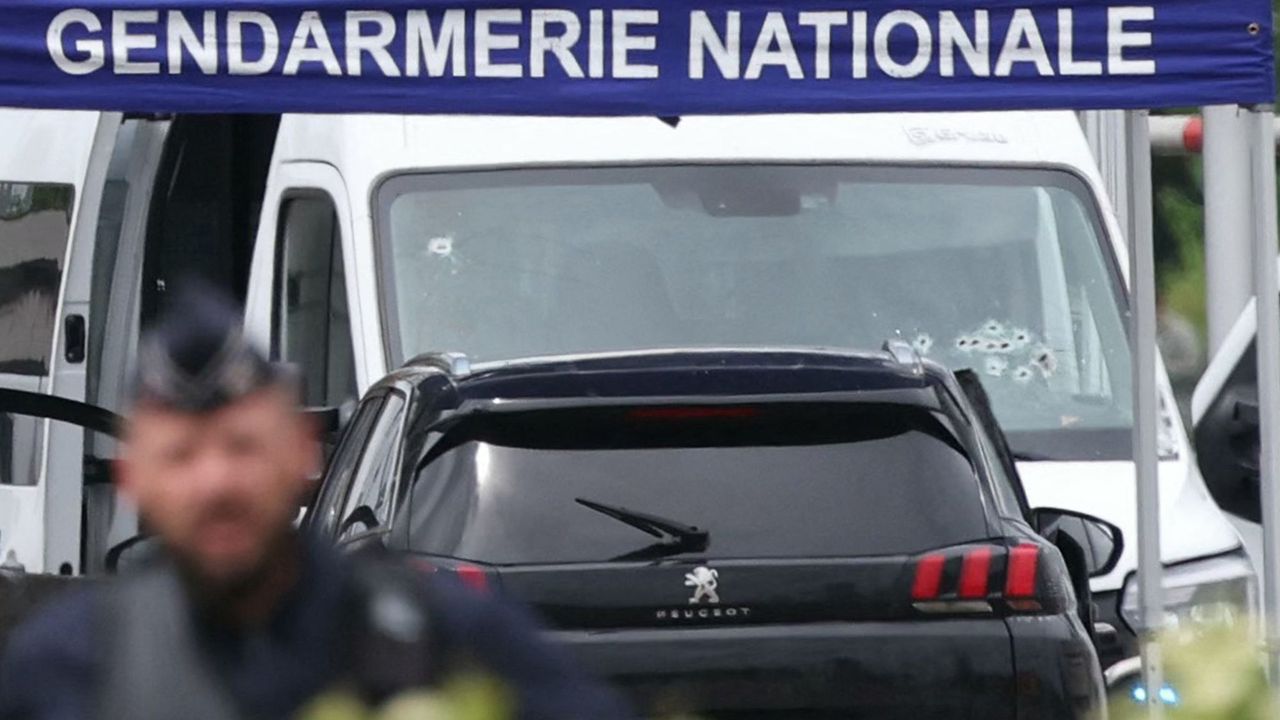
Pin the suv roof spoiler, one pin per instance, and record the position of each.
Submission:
(455, 364)
(905, 354)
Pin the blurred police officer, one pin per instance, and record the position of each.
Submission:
(240, 616)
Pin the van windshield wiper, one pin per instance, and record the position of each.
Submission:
(673, 536)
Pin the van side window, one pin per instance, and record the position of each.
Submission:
(312, 324)
(35, 222)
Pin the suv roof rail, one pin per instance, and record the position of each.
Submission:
(456, 364)
(904, 353)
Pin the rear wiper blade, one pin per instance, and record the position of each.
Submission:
(669, 532)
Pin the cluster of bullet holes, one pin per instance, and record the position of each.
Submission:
(1007, 352)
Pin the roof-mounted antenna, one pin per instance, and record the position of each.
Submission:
(904, 353)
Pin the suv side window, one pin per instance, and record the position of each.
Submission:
(326, 514)
(312, 323)
(374, 484)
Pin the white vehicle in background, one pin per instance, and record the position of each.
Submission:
(986, 240)
(1225, 411)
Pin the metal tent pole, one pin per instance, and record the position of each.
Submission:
(1263, 143)
(1142, 341)
(1228, 216)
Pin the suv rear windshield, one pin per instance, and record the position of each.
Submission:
(764, 483)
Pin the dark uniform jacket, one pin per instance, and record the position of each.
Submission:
(56, 666)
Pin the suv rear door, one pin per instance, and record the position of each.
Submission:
(811, 512)
(817, 518)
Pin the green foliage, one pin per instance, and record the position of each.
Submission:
(1218, 674)
(465, 697)
(1179, 237)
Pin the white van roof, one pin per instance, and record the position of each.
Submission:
(46, 146)
(368, 147)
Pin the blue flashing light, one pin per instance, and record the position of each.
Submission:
(1167, 695)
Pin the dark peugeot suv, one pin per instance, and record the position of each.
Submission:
(739, 534)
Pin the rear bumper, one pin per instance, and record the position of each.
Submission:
(940, 668)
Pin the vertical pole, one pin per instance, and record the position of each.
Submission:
(1228, 217)
(1142, 341)
(1263, 163)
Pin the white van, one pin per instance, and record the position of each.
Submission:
(986, 240)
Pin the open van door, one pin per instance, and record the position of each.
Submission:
(1224, 410)
(100, 215)
(52, 168)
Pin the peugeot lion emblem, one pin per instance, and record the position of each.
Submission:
(703, 580)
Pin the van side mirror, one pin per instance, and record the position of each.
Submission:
(1101, 541)
(1224, 409)
(1227, 449)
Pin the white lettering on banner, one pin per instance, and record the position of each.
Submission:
(540, 43)
(773, 33)
(95, 51)
(1023, 29)
(725, 51)
(358, 44)
(1119, 39)
(486, 41)
(859, 18)
(449, 48)
(624, 42)
(595, 48)
(204, 49)
(1067, 63)
(311, 44)
(976, 50)
(822, 22)
(794, 44)
(924, 41)
(122, 41)
(237, 63)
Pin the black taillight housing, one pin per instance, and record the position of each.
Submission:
(1018, 578)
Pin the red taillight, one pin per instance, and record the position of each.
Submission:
(928, 577)
(983, 579)
(1020, 580)
(974, 574)
(698, 412)
(473, 577)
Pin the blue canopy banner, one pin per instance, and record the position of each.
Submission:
(632, 57)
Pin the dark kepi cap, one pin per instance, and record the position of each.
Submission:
(196, 357)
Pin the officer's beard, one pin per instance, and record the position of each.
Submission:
(246, 597)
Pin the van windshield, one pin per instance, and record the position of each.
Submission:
(999, 270)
